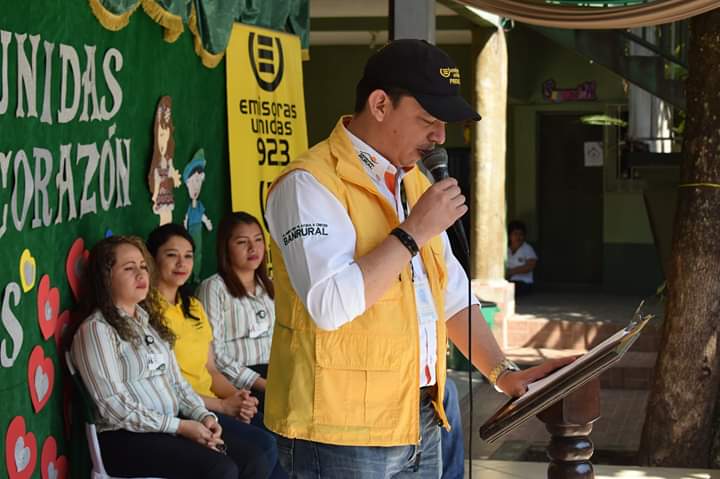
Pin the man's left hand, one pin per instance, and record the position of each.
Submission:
(514, 383)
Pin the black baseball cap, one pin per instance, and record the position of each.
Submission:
(425, 72)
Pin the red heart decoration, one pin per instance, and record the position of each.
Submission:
(53, 467)
(48, 306)
(41, 376)
(20, 450)
(75, 266)
(62, 323)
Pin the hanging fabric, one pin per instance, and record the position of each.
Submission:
(210, 21)
(537, 12)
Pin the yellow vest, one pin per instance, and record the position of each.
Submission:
(358, 385)
(192, 343)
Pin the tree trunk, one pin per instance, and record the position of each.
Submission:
(680, 425)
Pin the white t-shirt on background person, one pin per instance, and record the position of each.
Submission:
(523, 254)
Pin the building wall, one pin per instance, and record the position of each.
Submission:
(630, 259)
(332, 72)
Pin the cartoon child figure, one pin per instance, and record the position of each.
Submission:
(193, 177)
(163, 177)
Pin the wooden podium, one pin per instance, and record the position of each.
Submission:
(568, 402)
(569, 422)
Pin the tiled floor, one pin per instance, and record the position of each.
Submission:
(535, 470)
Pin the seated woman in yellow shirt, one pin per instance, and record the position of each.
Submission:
(172, 248)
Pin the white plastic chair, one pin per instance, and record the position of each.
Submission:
(98, 468)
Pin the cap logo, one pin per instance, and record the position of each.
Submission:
(452, 74)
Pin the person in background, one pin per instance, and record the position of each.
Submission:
(239, 303)
(149, 420)
(521, 259)
(173, 250)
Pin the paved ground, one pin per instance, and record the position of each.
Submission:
(584, 307)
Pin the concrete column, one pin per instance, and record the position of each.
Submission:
(412, 19)
(489, 244)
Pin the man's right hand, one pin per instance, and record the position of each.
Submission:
(436, 210)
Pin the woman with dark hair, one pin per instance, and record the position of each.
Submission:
(239, 303)
(521, 259)
(173, 249)
(150, 421)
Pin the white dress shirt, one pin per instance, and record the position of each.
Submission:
(320, 258)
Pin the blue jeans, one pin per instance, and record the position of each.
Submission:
(313, 460)
(256, 443)
(453, 448)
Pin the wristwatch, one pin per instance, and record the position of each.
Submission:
(501, 368)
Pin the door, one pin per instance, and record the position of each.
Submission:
(570, 203)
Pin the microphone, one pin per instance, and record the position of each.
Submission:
(436, 162)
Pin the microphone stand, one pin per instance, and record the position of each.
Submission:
(462, 242)
(436, 163)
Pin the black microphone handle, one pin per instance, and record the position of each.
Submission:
(459, 231)
(439, 173)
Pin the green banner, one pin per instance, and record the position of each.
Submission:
(77, 109)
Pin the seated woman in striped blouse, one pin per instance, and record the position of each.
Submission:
(239, 302)
(150, 421)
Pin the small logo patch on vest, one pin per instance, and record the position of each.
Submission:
(304, 230)
(369, 161)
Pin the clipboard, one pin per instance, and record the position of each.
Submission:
(562, 382)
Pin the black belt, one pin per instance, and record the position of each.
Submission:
(426, 391)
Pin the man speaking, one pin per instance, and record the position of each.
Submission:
(368, 294)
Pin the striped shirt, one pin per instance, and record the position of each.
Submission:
(136, 387)
(242, 329)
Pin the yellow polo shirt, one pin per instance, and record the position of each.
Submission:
(192, 344)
